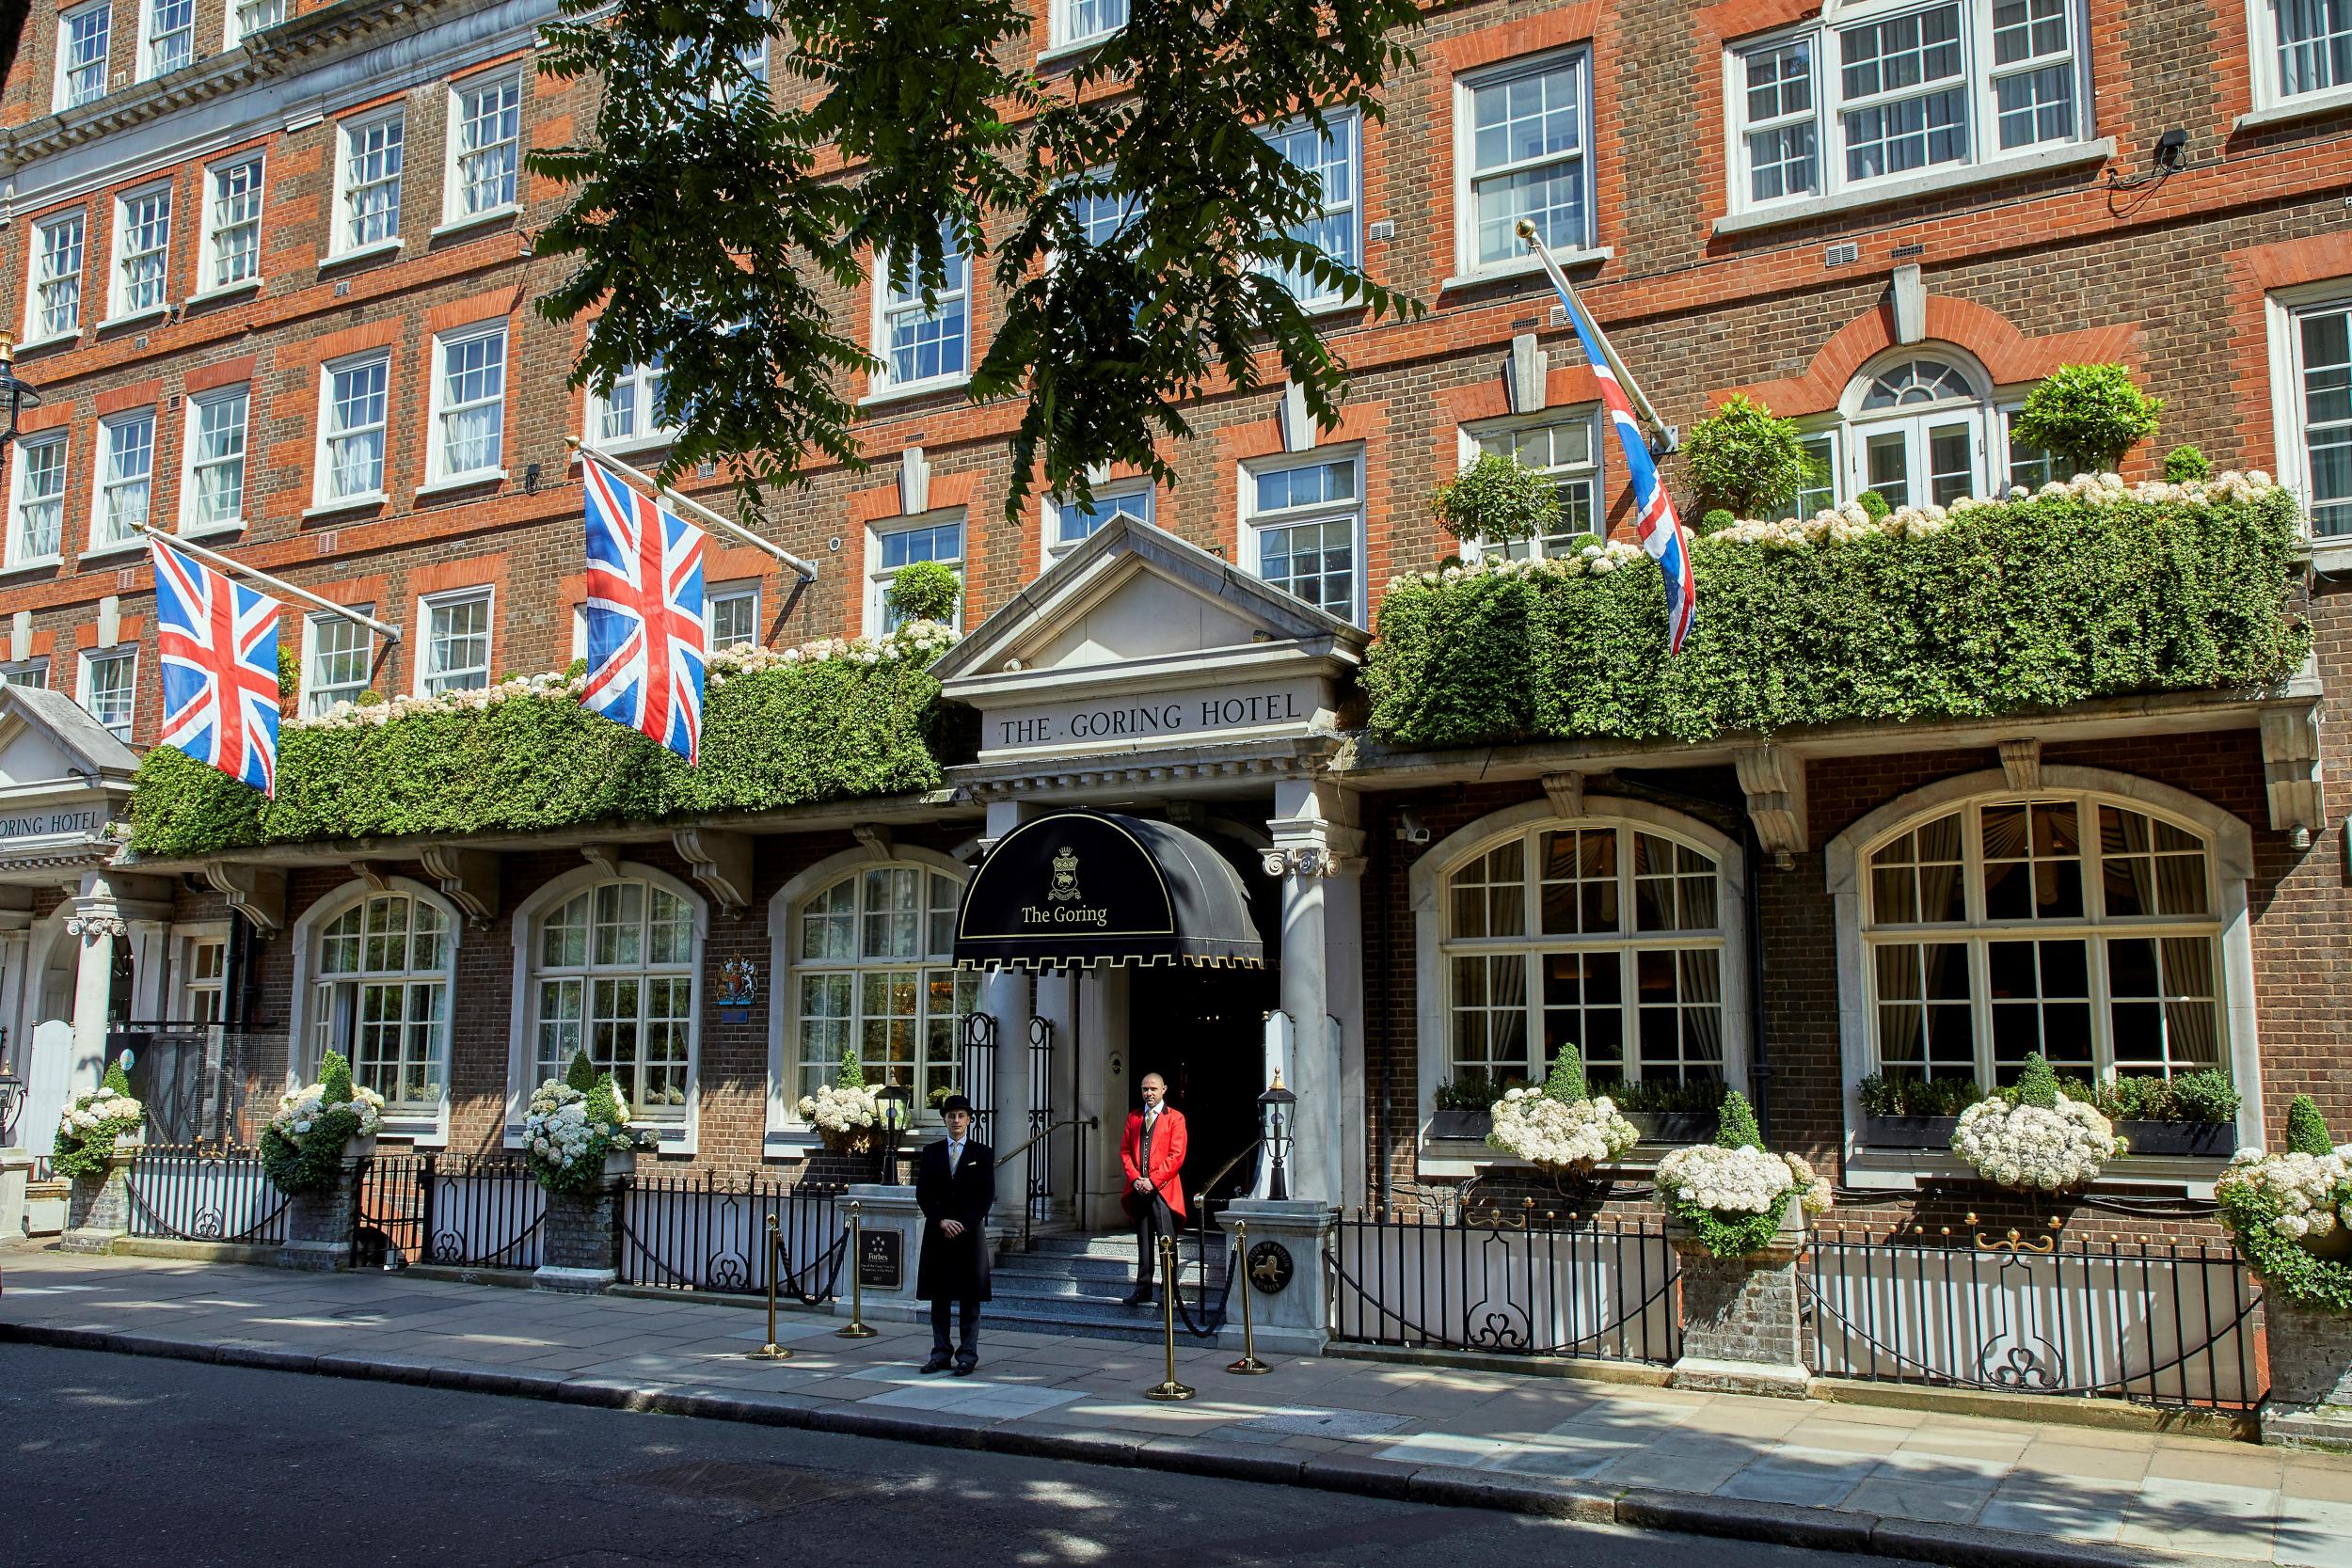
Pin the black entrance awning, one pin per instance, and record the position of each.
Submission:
(1090, 887)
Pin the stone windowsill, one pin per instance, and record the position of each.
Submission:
(1904, 188)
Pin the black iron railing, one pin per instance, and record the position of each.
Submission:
(688, 1233)
(1511, 1283)
(203, 1192)
(453, 1210)
(2165, 1323)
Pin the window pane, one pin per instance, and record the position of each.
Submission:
(2314, 44)
(2327, 385)
(1584, 1005)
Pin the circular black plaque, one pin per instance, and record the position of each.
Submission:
(1269, 1266)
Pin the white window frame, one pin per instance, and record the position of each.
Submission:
(126, 653)
(342, 238)
(18, 500)
(454, 185)
(307, 1026)
(1591, 473)
(64, 96)
(1978, 76)
(1252, 524)
(639, 382)
(35, 307)
(422, 676)
(2270, 99)
(247, 17)
(103, 538)
(1430, 884)
(318, 698)
(437, 471)
(1052, 546)
(214, 232)
(730, 592)
(1978, 413)
(150, 61)
(31, 672)
(202, 999)
(2229, 842)
(1350, 210)
(119, 306)
(1062, 32)
(890, 305)
(679, 1135)
(1466, 264)
(787, 1134)
(879, 578)
(2283, 311)
(197, 405)
(322, 494)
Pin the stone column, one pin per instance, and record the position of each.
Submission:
(580, 1236)
(1289, 1316)
(94, 923)
(1316, 849)
(2311, 1375)
(98, 1208)
(1004, 997)
(1739, 1315)
(319, 1224)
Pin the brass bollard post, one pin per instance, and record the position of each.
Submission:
(1168, 1388)
(771, 1350)
(856, 1329)
(1249, 1366)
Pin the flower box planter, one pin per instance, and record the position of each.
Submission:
(1673, 1127)
(2215, 1140)
(1908, 1132)
(1461, 1124)
(619, 1163)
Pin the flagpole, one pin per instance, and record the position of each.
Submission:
(724, 524)
(1560, 280)
(389, 633)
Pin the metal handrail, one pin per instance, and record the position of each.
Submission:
(1026, 1144)
(1200, 1198)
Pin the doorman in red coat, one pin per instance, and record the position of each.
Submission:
(1153, 1152)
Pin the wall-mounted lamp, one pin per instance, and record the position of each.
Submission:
(1409, 826)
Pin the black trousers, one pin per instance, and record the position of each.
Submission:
(1153, 1220)
(968, 1341)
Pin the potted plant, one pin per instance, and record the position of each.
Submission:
(91, 1123)
(1669, 1111)
(2194, 1114)
(1914, 1113)
(845, 1113)
(1747, 461)
(1561, 1126)
(1463, 1105)
(2091, 415)
(577, 1132)
(1732, 1196)
(2291, 1217)
(2034, 1137)
(315, 1129)
(1495, 500)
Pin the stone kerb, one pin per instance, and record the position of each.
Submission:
(1292, 1315)
(580, 1237)
(98, 1208)
(319, 1224)
(2311, 1375)
(1741, 1320)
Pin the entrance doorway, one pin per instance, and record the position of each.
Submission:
(1203, 1030)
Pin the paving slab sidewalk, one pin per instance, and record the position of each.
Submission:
(1938, 1487)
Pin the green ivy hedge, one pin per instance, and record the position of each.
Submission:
(2007, 605)
(823, 730)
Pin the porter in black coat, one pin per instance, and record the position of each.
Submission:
(954, 1268)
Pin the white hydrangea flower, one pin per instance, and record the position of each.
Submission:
(1559, 1135)
(2032, 1147)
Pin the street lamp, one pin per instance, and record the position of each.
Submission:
(896, 1104)
(1275, 1115)
(16, 393)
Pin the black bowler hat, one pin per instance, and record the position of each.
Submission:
(955, 1102)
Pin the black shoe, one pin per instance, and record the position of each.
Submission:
(938, 1363)
(966, 1364)
(1141, 1298)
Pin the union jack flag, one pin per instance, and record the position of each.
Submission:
(645, 658)
(1660, 530)
(219, 646)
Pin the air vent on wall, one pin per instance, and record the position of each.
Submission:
(1843, 254)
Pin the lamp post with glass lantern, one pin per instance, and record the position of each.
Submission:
(1275, 1114)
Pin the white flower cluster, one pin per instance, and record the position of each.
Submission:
(2314, 1191)
(836, 1109)
(1595, 560)
(1559, 1135)
(2028, 1147)
(1838, 525)
(99, 1113)
(1739, 1181)
(348, 716)
(916, 641)
(300, 1111)
(557, 1129)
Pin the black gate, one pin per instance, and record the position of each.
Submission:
(176, 1072)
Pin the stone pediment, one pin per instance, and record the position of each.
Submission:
(1136, 637)
(48, 743)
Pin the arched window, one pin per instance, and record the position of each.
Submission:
(613, 971)
(2085, 927)
(374, 964)
(1609, 935)
(871, 963)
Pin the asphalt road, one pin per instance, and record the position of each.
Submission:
(127, 1460)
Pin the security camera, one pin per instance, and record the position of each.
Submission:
(1409, 826)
